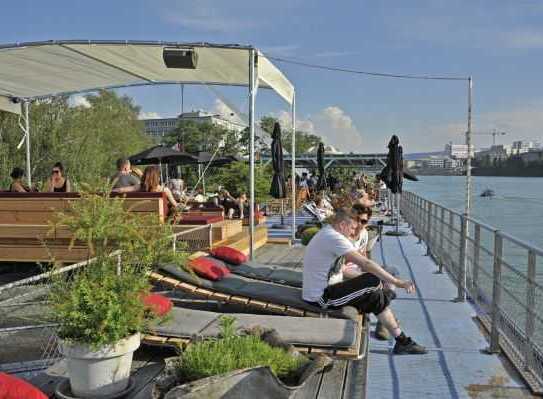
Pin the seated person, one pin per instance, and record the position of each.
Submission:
(124, 181)
(177, 188)
(17, 185)
(198, 196)
(360, 240)
(322, 209)
(325, 255)
(151, 184)
(58, 182)
(228, 202)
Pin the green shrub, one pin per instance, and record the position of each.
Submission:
(232, 352)
(308, 234)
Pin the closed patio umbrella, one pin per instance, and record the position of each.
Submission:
(321, 183)
(278, 187)
(394, 178)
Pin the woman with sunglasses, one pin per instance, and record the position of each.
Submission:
(58, 182)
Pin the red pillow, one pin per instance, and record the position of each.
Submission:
(212, 269)
(159, 304)
(14, 388)
(230, 255)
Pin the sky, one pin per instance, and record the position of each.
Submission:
(497, 42)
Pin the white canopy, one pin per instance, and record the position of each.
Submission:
(43, 69)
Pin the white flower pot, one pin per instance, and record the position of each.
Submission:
(101, 372)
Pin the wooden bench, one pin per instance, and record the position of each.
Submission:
(25, 218)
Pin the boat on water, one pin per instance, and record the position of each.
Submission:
(488, 193)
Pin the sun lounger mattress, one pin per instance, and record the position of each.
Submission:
(308, 331)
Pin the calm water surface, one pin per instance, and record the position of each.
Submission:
(516, 209)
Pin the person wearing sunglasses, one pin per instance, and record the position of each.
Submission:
(58, 182)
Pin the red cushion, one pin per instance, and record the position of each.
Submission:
(212, 269)
(200, 219)
(159, 304)
(230, 255)
(14, 388)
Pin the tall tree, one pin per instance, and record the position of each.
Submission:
(195, 137)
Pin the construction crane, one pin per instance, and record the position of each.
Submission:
(492, 133)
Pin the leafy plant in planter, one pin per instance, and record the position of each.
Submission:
(231, 352)
(99, 308)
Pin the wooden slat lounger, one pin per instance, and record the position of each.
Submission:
(250, 293)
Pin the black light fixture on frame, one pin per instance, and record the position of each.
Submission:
(184, 58)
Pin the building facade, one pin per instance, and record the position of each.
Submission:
(161, 127)
(458, 151)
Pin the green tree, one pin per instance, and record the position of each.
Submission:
(235, 178)
(195, 137)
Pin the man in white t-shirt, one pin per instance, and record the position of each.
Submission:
(323, 258)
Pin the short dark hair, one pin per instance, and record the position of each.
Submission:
(359, 209)
(17, 173)
(121, 162)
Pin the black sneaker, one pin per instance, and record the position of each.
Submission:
(408, 347)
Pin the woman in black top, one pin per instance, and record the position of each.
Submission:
(58, 182)
(17, 185)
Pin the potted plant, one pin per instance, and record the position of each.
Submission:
(99, 308)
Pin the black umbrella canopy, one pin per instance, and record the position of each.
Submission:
(321, 183)
(278, 186)
(161, 154)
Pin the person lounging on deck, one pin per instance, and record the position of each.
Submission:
(324, 286)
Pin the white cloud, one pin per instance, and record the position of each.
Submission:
(80, 101)
(333, 125)
(149, 115)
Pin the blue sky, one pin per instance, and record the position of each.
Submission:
(499, 43)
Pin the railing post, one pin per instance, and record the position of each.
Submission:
(530, 316)
(441, 239)
(174, 244)
(449, 252)
(496, 294)
(210, 236)
(462, 260)
(476, 259)
(429, 230)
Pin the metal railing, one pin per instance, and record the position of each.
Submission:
(24, 308)
(494, 270)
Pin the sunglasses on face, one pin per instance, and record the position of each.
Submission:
(363, 221)
(55, 171)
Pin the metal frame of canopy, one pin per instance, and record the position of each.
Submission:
(252, 84)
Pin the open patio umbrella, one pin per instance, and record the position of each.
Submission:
(161, 155)
(278, 187)
(321, 183)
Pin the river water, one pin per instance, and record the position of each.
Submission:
(517, 207)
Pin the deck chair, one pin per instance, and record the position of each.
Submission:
(251, 293)
(342, 338)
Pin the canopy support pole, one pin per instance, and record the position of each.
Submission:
(27, 140)
(252, 152)
(293, 167)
